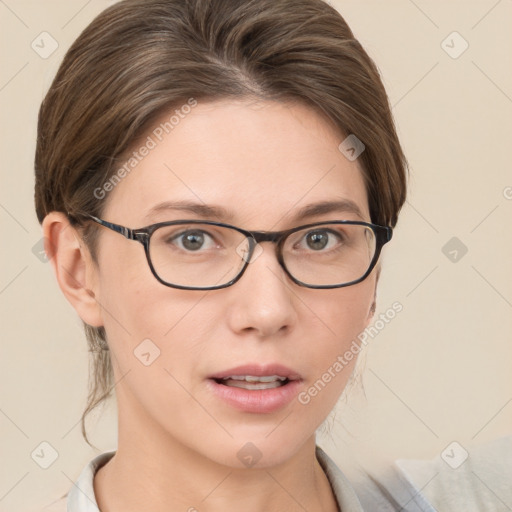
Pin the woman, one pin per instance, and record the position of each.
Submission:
(215, 181)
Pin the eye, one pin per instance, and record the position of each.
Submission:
(320, 239)
(192, 240)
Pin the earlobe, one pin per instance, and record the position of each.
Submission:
(73, 267)
(373, 307)
(371, 312)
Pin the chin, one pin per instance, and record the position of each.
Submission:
(256, 449)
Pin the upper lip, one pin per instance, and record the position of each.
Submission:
(258, 370)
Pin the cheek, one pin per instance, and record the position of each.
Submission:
(345, 311)
(143, 316)
(148, 328)
(342, 315)
(130, 296)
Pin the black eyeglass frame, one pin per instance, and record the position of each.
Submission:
(383, 235)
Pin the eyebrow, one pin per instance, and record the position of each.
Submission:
(207, 211)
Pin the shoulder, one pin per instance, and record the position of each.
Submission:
(343, 491)
(470, 478)
(81, 497)
(385, 494)
(466, 478)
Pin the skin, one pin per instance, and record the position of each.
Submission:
(177, 443)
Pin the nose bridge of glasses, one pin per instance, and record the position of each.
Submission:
(254, 238)
(266, 236)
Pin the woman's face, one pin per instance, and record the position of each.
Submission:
(262, 163)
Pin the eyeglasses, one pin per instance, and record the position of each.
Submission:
(207, 255)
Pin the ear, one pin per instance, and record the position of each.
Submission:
(74, 269)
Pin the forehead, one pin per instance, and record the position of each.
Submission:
(262, 162)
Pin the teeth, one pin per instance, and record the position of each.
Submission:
(251, 382)
(253, 385)
(252, 378)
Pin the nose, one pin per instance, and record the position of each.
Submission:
(263, 299)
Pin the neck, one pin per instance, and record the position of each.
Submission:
(155, 472)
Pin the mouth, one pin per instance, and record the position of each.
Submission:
(253, 382)
(256, 388)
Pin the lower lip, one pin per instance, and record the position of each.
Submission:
(260, 401)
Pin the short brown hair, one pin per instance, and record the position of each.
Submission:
(139, 58)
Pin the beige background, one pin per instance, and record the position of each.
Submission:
(439, 372)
